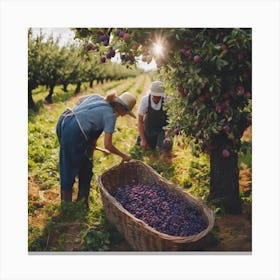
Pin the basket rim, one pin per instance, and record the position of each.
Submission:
(178, 239)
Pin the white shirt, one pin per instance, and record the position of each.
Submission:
(144, 104)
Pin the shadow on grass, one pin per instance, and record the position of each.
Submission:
(60, 221)
(72, 227)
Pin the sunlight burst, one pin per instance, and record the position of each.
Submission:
(158, 49)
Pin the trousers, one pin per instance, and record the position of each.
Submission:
(75, 155)
(155, 137)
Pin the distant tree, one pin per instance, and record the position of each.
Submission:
(52, 62)
(34, 65)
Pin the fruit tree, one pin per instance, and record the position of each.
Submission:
(207, 72)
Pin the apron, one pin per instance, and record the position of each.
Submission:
(154, 122)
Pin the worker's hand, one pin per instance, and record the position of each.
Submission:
(112, 91)
(126, 158)
(144, 144)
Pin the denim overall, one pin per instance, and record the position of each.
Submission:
(154, 122)
(76, 149)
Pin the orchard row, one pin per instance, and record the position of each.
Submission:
(50, 64)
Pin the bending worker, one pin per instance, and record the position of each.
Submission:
(152, 119)
(78, 130)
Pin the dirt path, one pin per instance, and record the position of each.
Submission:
(234, 232)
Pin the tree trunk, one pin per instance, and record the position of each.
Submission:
(78, 88)
(49, 97)
(91, 83)
(31, 104)
(224, 179)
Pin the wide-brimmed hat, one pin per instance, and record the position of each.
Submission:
(128, 101)
(157, 89)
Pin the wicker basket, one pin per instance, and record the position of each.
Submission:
(138, 234)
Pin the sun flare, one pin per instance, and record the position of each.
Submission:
(158, 49)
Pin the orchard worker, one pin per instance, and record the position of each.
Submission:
(78, 130)
(152, 119)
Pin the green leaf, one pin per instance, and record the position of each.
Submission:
(213, 58)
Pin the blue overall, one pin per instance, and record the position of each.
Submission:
(76, 133)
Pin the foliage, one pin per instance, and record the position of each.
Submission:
(34, 63)
(52, 61)
(214, 85)
(207, 69)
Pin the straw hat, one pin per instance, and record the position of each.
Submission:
(128, 101)
(156, 89)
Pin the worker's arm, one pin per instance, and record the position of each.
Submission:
(141, 131)
(110, 147)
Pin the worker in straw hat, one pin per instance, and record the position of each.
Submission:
(152, 119)
(78, 130)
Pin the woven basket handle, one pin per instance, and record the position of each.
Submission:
(126, 162)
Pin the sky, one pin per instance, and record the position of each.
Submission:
(67, 36)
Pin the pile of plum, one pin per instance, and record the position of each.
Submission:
(164, 211)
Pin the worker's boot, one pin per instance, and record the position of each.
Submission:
(83, 195)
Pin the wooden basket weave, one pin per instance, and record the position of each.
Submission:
(138, 234)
